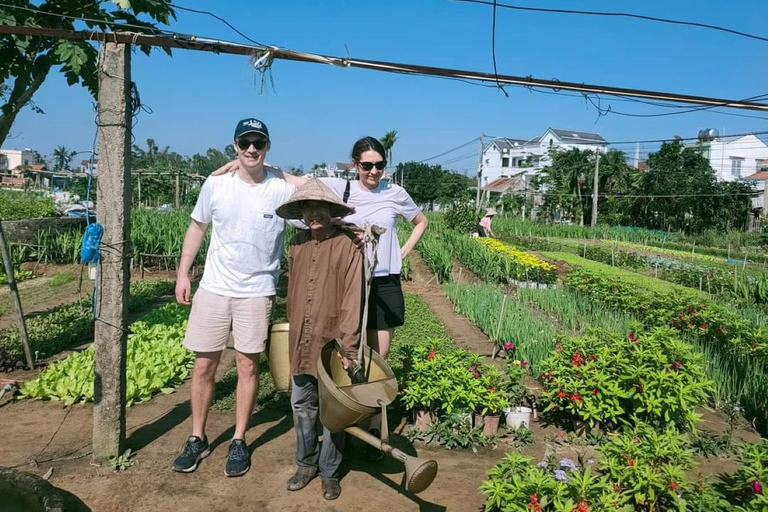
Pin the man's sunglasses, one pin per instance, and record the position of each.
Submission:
(367, 166)
(259, 144)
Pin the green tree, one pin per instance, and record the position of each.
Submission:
(453, 187)
(388, 141)
(25, 62)
(421, 181)
(62, 157)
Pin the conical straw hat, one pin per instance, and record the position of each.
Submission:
(313, 190)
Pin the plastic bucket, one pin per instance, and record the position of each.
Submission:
(343, 404)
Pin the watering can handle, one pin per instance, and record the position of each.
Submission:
(370, 236)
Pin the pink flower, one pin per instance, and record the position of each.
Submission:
(477, 375)
(757, 487)
(508, 345)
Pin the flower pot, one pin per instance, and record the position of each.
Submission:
(490, 423)
(423, 419)
(516, 417)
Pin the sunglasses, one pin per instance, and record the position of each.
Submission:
(367, 166)
(258, 144)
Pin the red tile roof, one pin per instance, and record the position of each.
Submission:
(762, 175)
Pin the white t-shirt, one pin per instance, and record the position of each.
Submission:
(380, 206)
(243, 257)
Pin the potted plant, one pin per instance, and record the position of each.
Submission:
(491, 398)
(518, 413)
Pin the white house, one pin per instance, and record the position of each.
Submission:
(735, 159)
(15, 158)
(87, 168)
(504, 158)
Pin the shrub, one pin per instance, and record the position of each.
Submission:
(25, 205)
(750, 481)
(462, 217)
(609, 378)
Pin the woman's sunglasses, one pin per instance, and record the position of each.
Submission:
(259, 144)
(367, 166)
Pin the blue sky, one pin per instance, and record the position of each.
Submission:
(316, 112)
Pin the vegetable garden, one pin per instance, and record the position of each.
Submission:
(624, 344)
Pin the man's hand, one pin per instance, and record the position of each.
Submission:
(183, 290)
(359, 238)
(232, 166)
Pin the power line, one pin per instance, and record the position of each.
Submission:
(493, 49)
(177, 6)
(619, 14)
(450, 150)
(265, 55)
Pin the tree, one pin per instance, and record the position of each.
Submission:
(429, 183)
(25, 62)
(388, 141)
(62, 157)
(453, 187)
(297, 171)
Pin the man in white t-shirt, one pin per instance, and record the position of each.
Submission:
(237, 290)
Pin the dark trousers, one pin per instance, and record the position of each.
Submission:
(306, 408)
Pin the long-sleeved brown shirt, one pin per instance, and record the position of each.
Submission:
(325, 294)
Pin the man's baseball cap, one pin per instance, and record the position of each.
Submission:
(251, 125)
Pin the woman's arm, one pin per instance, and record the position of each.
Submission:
(420, 224)
(234, 165)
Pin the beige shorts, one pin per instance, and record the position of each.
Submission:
(213, 316)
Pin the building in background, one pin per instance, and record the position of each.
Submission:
(731, 158)
(12, 161)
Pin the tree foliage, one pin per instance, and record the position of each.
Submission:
(428, 184)
(679, 191)
(25, 62)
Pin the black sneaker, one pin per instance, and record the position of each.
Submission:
(373, 454)
(238, 460)
(195, 450)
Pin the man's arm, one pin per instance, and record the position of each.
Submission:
(193, 239)
(350, 321)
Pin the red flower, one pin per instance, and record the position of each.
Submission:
(534, 503)
(673, 486)
(508, 345)
(477, 375)
(576, 398)
(631, 463)
(561, 394)
(757, 487)
(491, 389)
(677, 365)
(595, 391)
(583, 506)
(524, 364)
(431, 354)
(632, 337)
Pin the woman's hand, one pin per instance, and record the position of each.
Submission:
(232, 166)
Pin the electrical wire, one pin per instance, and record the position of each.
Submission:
(450, 150)
(182, 8)
(619, 14)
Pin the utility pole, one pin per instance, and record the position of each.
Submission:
(479, 171)
(113, 279)
(177, 197)
(16, 298)
(595, 186)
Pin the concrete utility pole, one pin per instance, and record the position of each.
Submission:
(16, 298)
(479, 172)
(594, 188)
(113, 281)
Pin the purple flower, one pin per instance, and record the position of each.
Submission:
(567, 463)
(560, 475)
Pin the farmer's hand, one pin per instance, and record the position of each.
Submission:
(359, 235)
(232, 166)
(183, 290)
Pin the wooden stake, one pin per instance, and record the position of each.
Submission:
(498, 327)
(16, 298)
(113, 279)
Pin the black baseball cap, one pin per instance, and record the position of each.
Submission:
(251, 125)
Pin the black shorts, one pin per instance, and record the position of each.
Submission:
(386, 308)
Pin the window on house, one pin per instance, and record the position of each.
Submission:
(505, 161)
(736, 166)
(550, 142)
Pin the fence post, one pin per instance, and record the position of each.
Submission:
(16, 298)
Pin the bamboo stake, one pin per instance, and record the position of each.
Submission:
(16, 298)
(498, 327)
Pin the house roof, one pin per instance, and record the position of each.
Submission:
(506, 143)
(762, 175)
(35, 167)
(344, 166)
(575, 137)
(86, 162)
(642, 166)
(503, 184)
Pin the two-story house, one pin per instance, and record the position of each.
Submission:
(731, 159)
(87, 168)
(12, 159)
(508, 158)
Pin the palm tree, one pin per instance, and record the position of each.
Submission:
(62, 157)
(388, 141)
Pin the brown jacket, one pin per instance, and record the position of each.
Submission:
(325, 294)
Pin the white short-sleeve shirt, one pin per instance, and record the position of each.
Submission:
(381, 206)
(243, 257)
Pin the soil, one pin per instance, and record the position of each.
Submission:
(45, 435)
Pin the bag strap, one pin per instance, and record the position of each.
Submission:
(346, 192)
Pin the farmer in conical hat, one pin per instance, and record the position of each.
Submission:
(484, 228)
(325, 294)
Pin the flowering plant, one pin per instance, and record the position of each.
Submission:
(750, 481)
(604, 378)
(519, 394)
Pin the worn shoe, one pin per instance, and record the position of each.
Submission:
(301, 478)
(373, 454)
(238, 459)
(331, 489)
(195, 450)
